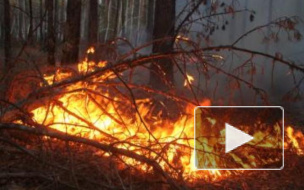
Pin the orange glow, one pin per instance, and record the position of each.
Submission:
(179, 37)
(189, 80)
(91, 50)
(100, 117)
(295, 140)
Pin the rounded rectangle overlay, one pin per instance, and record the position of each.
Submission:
(217, 147)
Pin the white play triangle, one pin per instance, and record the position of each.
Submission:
(235, 138)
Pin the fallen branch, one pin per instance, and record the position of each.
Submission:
(58, 88)
(104, 147)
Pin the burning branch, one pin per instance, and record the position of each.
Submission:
(98, 107)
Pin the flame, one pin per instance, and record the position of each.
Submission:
(188, 80)
(100, 117)
(91, 50)
(180, 37)
(295, 140)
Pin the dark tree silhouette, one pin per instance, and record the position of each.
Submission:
(30, 34)
(150, 16)
(72, 33)
(8, 64)
(93, 22)
(41, 18)
(7, 35)
(161, 75)
(51, 33)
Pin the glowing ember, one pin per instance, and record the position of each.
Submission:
(180, 37)
(91, 50)
(188, 80)
(95, 113)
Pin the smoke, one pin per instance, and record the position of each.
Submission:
(275, 78)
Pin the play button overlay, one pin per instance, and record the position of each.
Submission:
(239, 138)
(235, 138)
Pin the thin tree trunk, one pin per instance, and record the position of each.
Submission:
(125, 19)
(120, 15)
(116, 21)
(150, 17)
(62, 18)
(84, 23)
(20, 15)
(132, 3)
(93, 22)
(7, 35)
(49, 6)
(103, 19)
(56, 20)
(136, 21)
(72, 33)
(25, 18)
(30, 34)
(7, 50)
(108, 12)
(41, 18)
(139, 19)
(161, 75)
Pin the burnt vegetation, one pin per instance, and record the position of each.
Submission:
(100, 94)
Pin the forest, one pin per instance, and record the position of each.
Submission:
(103, 94)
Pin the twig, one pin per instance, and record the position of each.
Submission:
(104, 147)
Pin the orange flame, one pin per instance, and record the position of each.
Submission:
(91, 50)
(295, 140)
(99, 116)
(188, 80)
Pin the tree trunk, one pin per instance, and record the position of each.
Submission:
(124, 17)
(30, 32)
(130, 28)
(120, 16)
(112, 20)
(49, 6)
(72, 33)
(117, 4)
(150, 18)
(41, 18)
(135, 26)
(161, 74)
(56, 20)
(93, 22)
(7, 51)
(61, 20)
(7, 36)
(20, 19)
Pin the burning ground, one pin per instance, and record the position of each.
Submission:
(91, 129)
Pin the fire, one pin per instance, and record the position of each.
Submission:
(95, 113)
(295, 140)
(188, 80)
(91, 50)
(180, 37)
